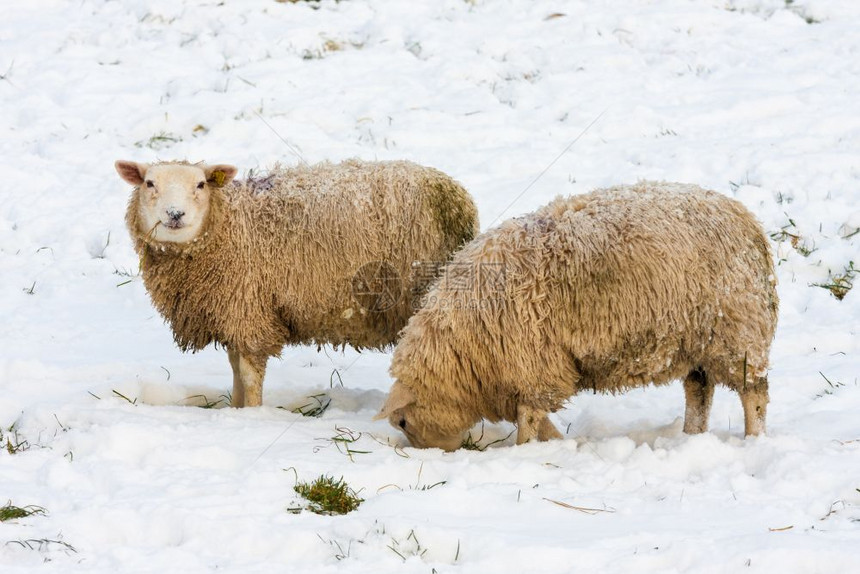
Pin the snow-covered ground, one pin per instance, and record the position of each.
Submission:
(758, 99)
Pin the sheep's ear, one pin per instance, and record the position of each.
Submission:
(219, 175)
(398, 398)
(130, 171)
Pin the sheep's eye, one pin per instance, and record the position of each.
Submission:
(149, 183)
(201, 185)
(402, 423)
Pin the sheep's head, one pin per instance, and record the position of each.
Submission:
(419, 422)
(173, 198)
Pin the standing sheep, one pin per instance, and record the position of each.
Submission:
(607, 291)
(308, 255)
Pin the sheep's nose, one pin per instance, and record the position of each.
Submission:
(175, 214)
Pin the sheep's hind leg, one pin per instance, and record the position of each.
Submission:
(533, 423)
(699, 391)
(547, 430)
(248, 373)
(238, 397)
(754, 399)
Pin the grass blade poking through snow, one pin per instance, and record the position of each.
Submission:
(203, 402)
(44, 545)
(343, 440)
(315, 408)
(122, 396)
(471, 443)
(582, 509)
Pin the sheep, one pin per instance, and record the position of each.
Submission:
(607, 291)
(318, 254)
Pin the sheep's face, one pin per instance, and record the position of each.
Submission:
(173, 198)
(418, 422)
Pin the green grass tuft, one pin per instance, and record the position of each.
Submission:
(328, 496)
(15, 443)
(159, 141)
(790, 233)
(10, 512)
(840, 284)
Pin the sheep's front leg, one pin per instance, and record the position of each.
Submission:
(531, 423)
(248, 373)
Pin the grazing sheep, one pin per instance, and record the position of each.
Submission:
(308, 255)
(607, 291)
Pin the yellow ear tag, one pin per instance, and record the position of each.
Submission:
(219, 178)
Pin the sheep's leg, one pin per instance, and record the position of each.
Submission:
(529, 423)
(547, 430)
(238, 397)
(699, 391)
(248, 373)
(754, 398)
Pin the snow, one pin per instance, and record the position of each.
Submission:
(754, 98)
